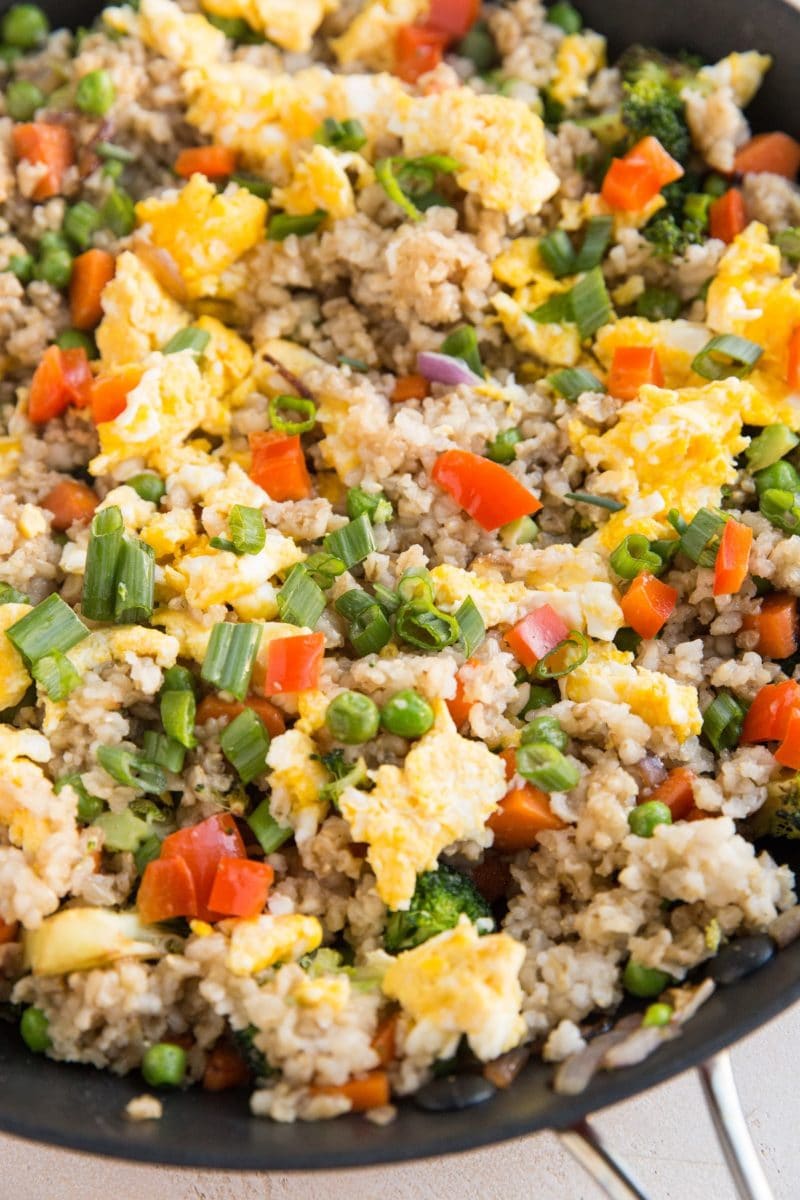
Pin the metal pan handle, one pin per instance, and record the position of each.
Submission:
(716, 1075)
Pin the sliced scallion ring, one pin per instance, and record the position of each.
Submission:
(563, 658)
(472, 629)
(726, 355)
(300, 406)
(572, 382)
(300, 601)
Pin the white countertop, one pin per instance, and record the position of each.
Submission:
(665, 1135)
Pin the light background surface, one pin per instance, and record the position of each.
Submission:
(665, 1136)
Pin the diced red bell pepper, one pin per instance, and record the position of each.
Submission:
(788, 753)
(768, 716)
(417, 51)
(202, 846)
(63, 377)
(240, 887)
(167, 890)
(279, 466)
(484, 489)
(647, 604)
(293, 663)
(453, 17)
(733, 557)
(536, 635)
(631, 368)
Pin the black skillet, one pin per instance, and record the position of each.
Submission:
(81, 1108)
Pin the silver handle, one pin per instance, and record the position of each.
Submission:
(716, 1075)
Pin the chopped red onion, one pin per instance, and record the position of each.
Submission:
(441, 368)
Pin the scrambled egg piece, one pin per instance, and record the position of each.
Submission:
(138, 315)
(191, 635)
(10, 450)
(608, 674)
(574, 580)
(461, 983)
(748, 297)
(498, 603)
(227, 360)
(169, 532)
(222, 577)
(677, 343)
(186, 39)
(296, 777)
(679, 445)
(498, 142)
(169, 402)
(578, 58)
(14, 677)
(446, 789)
(319, 181)
(312, 707)
(260, 942)
(290, 24)
(144, 643)
(204, 231)
(559, 345)
(369, 38)
(742, 73)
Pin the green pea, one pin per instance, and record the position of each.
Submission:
(657, 1015)
(95, 93)
(644, 981)
(643, 819)
(545, 729)
(780, 476)
(21, 265)
(52, 240)
(407, 714)
(24, 26)
(148, 486)
(76, 339)
(35, 1029)
(164, 1065)
(54, 267)
(352, 718)
(22, 99)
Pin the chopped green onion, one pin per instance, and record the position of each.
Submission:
(230, 657)
(788, 242)
(253, 184)
(300, 406)
(268, 833)
(283, 225)
(539, 696)
(591, 306)
(355, 364)
(122, 831)
(105, 543)
(341, 135)
(597, 501)
(545, 728)
(428, 628)
(178, 679)
(563, 658)
(373, 504)
(49, 628)
(95, 93)
(781, 475)
(558, 253)
(220, 543)
(190, 338)
(416, 584)
(135, 586)
(716, 185)
(471, 626)
(81, 222)
(352, 543)
(129, 768)
(404, 178)
(595, 243)
(388, 600)
(722, 722)
(118, 212)
(11, 595)
(658, 304)
(324, 568)
(565, 17)
(56, 675)
(726, 355)
(463, 343)
(300, 601)
(770, 446)
(89, 807)
(148, 487)
(236, 28)
(572, 382)
(76, 339)
(520, 532)
(633, 555)
(110, 150)
(245, 743)
(545, 766)
(554, 311)
(178, 711)
(368, 628)
(164, 751)
(147, 852)
(700, 538)
(697, 207)
(247, 529)
(781, 509)
(502, 449)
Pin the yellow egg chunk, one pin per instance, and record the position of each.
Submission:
(446, 789)
(191, 635)
(185, 38)
(138, 315)
(290, 24)
(609, 674)
(14, 677)
(222, 577)
(741, 72)
(296, 779)
(461, 984)
(520, 263)
(261, 942)
(370, 37)
(140, 642)
(557, 345)
(169, 532)
(578, 58)
(496, 601)
(319, 181)
(204, 231)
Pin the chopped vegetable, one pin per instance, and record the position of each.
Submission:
(722, 722)
(269, 834)
(726, 355)
(164, 1065)
(733, 557)
(231, 656)
(279, 466)
(201, 847)
(768, 716)
(489, 493)
(523, 814)
(416, 51)
(166, 891)
(352, 718)
(303, 408)
(109, 394)
(245, 743)
(341, 135)
(777, 625)
(363, 1093)
(572, 382)
(63, 377)
(647, 604)
(215, 162)
(440, 898)
(353, 542)
(774, 153)
(407, 714)
(771, 445)
(409, 387)
(779, 816)
(590, 304)
(91, 272)
(645, 818)
(95, 93)
(190, 338)
(214, 708)
(51, 626)
(48, 146)
(644, 981)
(240, 887)
(676, 793)
(536, 635)
(24, 26)
(294, 663)
(368, 630)
(727, 217)
(632, 181)
(300, 601)
(631, 369)
(542, 764)
(284, 225)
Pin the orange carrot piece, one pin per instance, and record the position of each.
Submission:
(726, 216)
(777, 625)
(775, 153)
(632, 181)
(676, 792)
(110, 393)
(365, 1092)
(384, 1038)
(48, 394)
(733, 557)
(793, 363)
(631, 368)
(215, 162)
(167, 890)
(91, 272)
(70, 502)
(279, 465)
(417, 51)
(509, 758)
(523, 814)
(409, 387)
(225, 1069)
(535, 635)
(50, 146)
(213, 708)
(647, 604)
(8, 931)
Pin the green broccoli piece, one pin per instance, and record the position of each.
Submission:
(779, 815)
(439, 899)
(251, 1053)
(653, 108)
(677, 225)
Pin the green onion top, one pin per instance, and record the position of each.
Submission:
(558, 253)
(597, 501)
(300, 601)
(590, 302)
(463, 343)
(373, 504)
(722, 722)
(247, 529)
(572, 382)
(341, 135)
(563, 658)
(268, 833)
(284, 225)
(231, 656)
(245, 744)
(51, 627)
(502, 449)
(190, 338)
(726, 355)
(471, 627)
(56, 675)
(353, 542)
(595, 242)
(135, 584)
(426, 627)
(304, 410)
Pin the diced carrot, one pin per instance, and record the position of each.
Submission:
(213, 708)
(523, 814)
(215, 162)
(279, 465)
(8, 931)
(733, 557)
(632, 181)
(788, 753)
(240, 887)
(647, 604)
(491, 877)
(48, 395)
(167, 890)
(459, 706)
(50, 146)
(409, 387)
(775, 153)
(768, 716)
(364, 1092)
(536, 635)
(793, 361)
(777, 625)
(452, 17)
(225, 1069)
(487, 491)
(110, 393)
(509, 758)
(202, 846)
(91, 271)
(70, 502)
(676, 792)
(726, 216)
(293, 663)
(384, 1038)
(417, 51)
(631, 368)
(649, 151)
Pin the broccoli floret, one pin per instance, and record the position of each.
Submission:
(672, 229)
(651, 107)
(642, 62)
(251, 1053)
(779, 815)
(439, 899)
